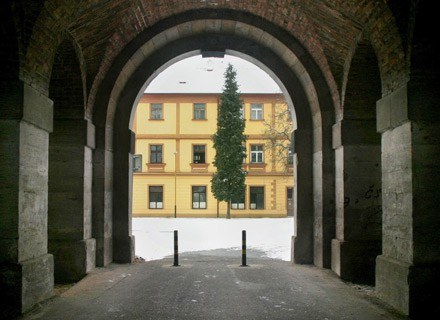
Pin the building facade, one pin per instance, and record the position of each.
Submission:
(172, 165)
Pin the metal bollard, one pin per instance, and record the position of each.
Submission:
(176, 249)
(243, 249)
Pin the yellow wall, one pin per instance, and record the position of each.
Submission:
(178, 131)
(169, 146)
(145, 125)
(275, 196)
(190, 126)
(256, 126)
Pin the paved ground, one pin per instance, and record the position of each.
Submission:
(212, 285)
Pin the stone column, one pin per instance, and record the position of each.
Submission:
(302, 240)
(408, 271)
(323, 189)
(103, 197)
(70, 199)
(26, 269)
(123, 240)
(358, 200)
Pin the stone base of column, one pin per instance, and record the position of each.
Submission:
(123, 250)
(413, 290)
(300, 252)
(25, 284)
(104, 251)
(292, 249)
(73, 259)
(355, 260)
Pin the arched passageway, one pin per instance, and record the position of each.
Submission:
(313, 47)
(307, 100)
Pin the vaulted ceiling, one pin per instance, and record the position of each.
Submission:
(101, 28)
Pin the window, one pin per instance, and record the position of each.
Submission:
(137, 163)
(199, 111)
(238, 203)
(289, 200)
(155, 153)
(156, 111)
(199, 153)
(257, 197)
(155, 197)
(199, 197)
(256, 111)
(257, 153)
(289, 193)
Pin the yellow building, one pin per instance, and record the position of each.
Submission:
(174, 154)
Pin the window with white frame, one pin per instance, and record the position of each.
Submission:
(156, 111)
(155, 197)
(256, 111)
(239, 201)
(199, 197)
(257, 153)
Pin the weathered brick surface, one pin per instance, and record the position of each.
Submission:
(66, 83)
(379, 26)
(327, 30)
(117, 41)
(362, 83)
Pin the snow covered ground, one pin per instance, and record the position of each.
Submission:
(154, 236)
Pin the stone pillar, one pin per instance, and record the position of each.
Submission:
(302, 241)
(70, 199)
(26, 269)
(408, 271)
(123, 240)
(358, 200)
(103, 198)
(323, 189)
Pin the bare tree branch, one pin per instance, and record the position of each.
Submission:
(278, 133)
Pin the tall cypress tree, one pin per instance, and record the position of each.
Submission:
(228, 183)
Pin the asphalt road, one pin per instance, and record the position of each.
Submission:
(213, 285)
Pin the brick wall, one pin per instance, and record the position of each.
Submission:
(327, 30)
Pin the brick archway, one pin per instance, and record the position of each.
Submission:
(304, 83)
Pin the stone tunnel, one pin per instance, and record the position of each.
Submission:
(363, 77)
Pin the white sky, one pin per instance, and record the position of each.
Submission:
(206, 75)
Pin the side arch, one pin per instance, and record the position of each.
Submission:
(70, 169)
(358, 177)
